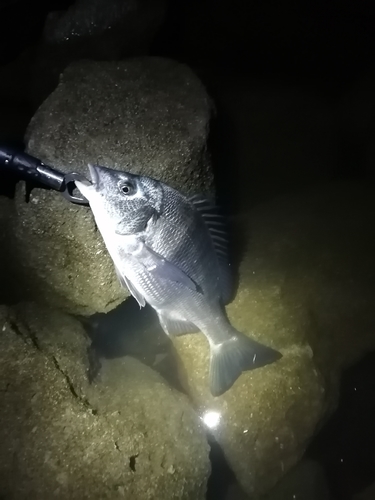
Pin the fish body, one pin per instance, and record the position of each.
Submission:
(170, 252)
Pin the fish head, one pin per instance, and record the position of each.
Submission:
(120, 201)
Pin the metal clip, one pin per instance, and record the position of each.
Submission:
(28, 168)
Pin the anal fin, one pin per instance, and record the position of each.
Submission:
(175, 326)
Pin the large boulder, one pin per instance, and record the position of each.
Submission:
(127, 436)
(146, 115)
(93, 29)
(306, 287)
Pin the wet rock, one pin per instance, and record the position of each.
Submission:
(60, 338)
(145, 115)
(306, 481)
(306, 287)
(94, 29)
(65, 439)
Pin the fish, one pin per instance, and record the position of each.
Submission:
(171, 252)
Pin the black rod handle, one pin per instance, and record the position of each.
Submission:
(28, 168)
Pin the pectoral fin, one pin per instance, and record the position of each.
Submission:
(126, 283)
(162, 269)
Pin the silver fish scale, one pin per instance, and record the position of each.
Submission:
(181, 237)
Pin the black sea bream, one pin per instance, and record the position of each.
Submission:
(170, 251)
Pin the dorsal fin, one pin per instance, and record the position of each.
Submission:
(216, 226)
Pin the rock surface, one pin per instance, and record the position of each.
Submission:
(306, 481)
(306, 286)
(127, 436)
(93, 29)
(146, 115)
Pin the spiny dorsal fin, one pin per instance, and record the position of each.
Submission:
(216, 226)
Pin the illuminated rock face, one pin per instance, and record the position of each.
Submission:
(129, 435)
(306, 288)
(149, 116)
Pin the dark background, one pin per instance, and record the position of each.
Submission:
(328, 39)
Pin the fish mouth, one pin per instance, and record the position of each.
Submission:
(86, 186)
(82, 180)
(94, 175)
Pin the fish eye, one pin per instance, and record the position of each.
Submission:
(127, 188)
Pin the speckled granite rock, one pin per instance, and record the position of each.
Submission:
(307, 283)
(146, 115)
(127, 436)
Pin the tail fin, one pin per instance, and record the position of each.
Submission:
(237, 354)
